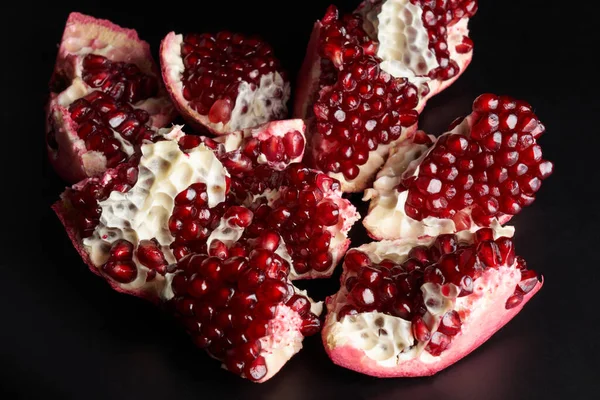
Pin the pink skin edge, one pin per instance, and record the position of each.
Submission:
(356, 360)
(195, 120)
(306, 88)
(63, 215)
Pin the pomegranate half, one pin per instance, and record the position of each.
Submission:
(367, 76)
(106, 98)
(412, 307)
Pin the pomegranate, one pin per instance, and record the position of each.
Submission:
(412, 307)
(107, 98)
(229, 221)
(367, 76)
(482, 172)
(223, 82)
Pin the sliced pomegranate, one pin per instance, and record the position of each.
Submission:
(482, 172)
(223, 82)
(412, 307)
(367, 76)
(107, 98)
(237, 302)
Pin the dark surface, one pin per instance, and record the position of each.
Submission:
(65, 334)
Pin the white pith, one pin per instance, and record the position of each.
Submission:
(404, 42)
(250, 96)
(398, 344)
(143, 212)
(387, 217)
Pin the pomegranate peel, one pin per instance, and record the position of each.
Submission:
(446, 324)
(97, 55)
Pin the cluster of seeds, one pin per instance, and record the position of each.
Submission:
(395, 288)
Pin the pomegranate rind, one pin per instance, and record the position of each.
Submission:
(172, 67)
(84, 35)
(492, 289)
(308, 89)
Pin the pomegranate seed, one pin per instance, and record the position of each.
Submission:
(438, 343)
(420, 330)
(120, 271)
(489, 254)
(450, 323)
(514, 300)
(310, 325)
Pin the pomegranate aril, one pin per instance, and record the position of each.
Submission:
(310, 324)
(529, 280)
(438, 343)
(450, 323)
(120, 271)
(420, 330)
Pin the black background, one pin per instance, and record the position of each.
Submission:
(65, 334)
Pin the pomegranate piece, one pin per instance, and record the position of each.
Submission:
(224, 82)
(363, 84)
(256, 321)
(106, 98)
(428, 321)
(482, 172)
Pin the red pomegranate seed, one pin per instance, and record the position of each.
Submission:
(310, 325)
(450, 323)
(529, 280)
(120, 271)
(420, 330)
(514, 300)
(489, 254)
(438, 343)
(256, 370)
(355, 260)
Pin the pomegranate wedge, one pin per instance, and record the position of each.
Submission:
(483, 171)
(367, 76)
(107, 98)
(413, 307)
(224, 82)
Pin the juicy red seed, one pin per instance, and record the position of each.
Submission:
(529, 280)
(420, 330)
(507, 250)
(421, 254)
(446, 243)
(438, 343)
(218, 249)
(434, 275)
(272, 291)
(346, 310)
(150, 255)
(299, 303)
(363, 295)
(121, 250)
(489, 254)
(402, 309)
(310, 324)
(239, 216)
(356, 259)
(327, 213)
(120, 271)
(484, 234)
(450, 323)
(256, 370)
(268, 240)
(514, 300)
(370, 277)
(198, 287)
